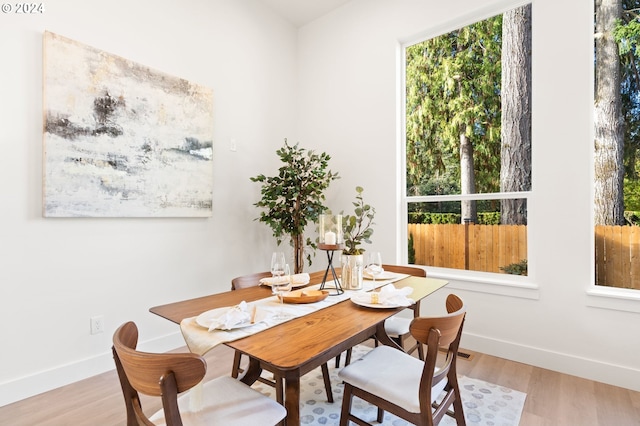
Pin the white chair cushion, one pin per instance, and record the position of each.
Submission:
(392, 375)
(396, 325)
(226, 402)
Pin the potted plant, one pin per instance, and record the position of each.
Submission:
(357, 229)
(294, 197)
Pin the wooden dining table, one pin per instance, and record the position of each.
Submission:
(294, 348)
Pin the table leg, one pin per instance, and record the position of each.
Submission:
(292, 400)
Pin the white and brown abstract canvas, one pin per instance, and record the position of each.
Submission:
(121, 139)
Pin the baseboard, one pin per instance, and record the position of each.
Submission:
(598, 371)
(46, 380)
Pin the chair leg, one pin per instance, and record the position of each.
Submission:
(235, 368)
(458, 410)
(327, 382)
(346, 405)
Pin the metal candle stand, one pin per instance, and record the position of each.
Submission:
(330, 249)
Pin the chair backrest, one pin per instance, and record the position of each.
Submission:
(409, 270)
(444, 331)
(413, 271)
(245, 281)
(454, 303)
(163, 375)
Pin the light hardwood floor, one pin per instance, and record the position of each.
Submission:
(553, 399)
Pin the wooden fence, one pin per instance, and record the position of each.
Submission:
(473, 247)
(488, 247)
(618, 256)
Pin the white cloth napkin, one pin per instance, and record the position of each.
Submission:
(387, 296)
(232, 318)
(296, 279)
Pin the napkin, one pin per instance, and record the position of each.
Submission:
(235, 316)
(387, 296)
(296, 279)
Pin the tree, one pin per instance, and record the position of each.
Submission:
(294, 198)
(627, 35)
(515, 157)
(453, 108)
(609, 135)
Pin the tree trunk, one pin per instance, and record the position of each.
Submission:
(515, 156)
(609, 140)
(467, 178)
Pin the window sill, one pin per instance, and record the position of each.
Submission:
(619, 299)
(481, 282)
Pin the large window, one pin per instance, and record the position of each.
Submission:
(468, 145)
(617, 143)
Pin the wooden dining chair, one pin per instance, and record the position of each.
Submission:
(397, 382)
(253, 280)
(397, 327)
(225, 401)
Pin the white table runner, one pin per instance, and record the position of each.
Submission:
(200, 340)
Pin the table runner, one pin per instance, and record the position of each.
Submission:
(200, 340)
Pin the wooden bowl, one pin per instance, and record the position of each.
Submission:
(305, 296)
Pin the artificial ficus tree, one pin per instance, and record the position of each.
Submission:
(294, 198)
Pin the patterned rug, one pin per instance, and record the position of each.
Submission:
(484, 403)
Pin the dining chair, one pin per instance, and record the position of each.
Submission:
(397, 327)
(253, 280)
(225, 401)
(401, 384)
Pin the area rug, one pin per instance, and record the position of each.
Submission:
(484, 403)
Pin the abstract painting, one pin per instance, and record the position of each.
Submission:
(122, 139)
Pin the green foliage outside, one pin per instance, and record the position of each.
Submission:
(520, 268)
(492, 218)
(627, 35)
(411, 251)
(453, 88)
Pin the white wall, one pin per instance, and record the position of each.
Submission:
(57, 273)
(348, 103)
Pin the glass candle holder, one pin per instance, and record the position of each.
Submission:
(331, 229)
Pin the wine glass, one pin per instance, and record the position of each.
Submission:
(279, 287)
(277, 264)
(373, 265)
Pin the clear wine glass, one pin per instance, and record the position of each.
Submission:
(280, 287)
(277, 264)
(373, 265)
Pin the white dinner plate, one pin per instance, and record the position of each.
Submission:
(206, 318)
(385, 275)
(375, 305)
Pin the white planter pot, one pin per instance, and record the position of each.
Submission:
(352, 268)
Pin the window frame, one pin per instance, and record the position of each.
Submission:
(476, 281)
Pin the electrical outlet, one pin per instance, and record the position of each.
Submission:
(97, 324)
(233, 146)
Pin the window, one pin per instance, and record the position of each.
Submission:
(617, 144)
(468, 146)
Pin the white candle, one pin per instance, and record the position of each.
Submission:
(330, 237)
